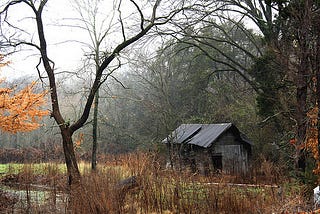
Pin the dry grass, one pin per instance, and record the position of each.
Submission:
(159, 191)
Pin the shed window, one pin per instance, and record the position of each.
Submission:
(217, 161)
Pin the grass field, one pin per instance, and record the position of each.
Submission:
(39, 168)
(157, 191)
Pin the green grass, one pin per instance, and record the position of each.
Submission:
(37, 168)
(44, 168)
(12, 168)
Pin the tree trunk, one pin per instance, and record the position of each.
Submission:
(301, 114)
(94, 132)
(318, 100)
(318, 86)
(70, 158)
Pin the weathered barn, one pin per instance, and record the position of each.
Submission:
(209, 148)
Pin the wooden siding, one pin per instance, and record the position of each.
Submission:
(234, 155)
(234, 158)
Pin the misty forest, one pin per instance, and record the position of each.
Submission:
(159, 106)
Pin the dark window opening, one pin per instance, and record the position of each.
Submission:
(217, 162)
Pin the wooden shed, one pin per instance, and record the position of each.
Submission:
(209, 148)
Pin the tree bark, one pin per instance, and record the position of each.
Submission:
(317, 59)
(70, 157)
(301, 124)
(94, 132)
(301, 110)
(303, 74)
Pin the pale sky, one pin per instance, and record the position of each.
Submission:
(62, 46)
(66, 55)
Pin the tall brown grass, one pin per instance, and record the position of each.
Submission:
(157, 190)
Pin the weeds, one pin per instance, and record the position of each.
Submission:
(157, 190)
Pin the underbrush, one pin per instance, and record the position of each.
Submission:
(154, 190)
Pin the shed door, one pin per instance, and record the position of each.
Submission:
(217, 161)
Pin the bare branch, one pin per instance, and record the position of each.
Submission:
(141, 14)
(121, 21)
(6, 8)
(105, 64)
(118, 81)
(39, 73)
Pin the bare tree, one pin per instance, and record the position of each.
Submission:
(146, 15)
(89, 11)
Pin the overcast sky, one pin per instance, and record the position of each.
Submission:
(63, 46)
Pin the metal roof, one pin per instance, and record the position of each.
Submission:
(200, 134)
(209, 133)
(183, 132)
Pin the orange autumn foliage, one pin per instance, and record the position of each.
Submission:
(77, 143)
(20, 112)
(311, 142)
(2, 62)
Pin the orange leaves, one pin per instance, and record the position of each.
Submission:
(311, 142)
(2, 63)
(21, 111)
(77, 143)
(293, 141)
